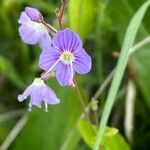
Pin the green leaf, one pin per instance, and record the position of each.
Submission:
(142, 71)
(71, 140)
(140, 62)
(88, 132)
(82, 15)
(111, 139)
(8, 71)
(124, 55)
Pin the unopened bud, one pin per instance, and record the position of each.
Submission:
(94, 105)
(34, 14)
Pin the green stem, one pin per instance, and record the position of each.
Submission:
(14, 132)
(10, 115)
(81, 102)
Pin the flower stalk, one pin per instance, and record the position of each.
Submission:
(60, 12)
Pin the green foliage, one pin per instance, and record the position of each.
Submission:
(111, 140)
(143, 54)
(82, 15)
(102, 24)
(124, 55)
(7, 70)
(87, 131)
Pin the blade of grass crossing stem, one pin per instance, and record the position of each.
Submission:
(127, 44)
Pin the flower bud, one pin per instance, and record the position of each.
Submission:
(34, 14)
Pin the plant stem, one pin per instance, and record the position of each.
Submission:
(81, 102)
(51, 28)
(96, 117)
(104, 85)
(83, 107)
(9, 115)
(129, 109)
(139, 45)
(60, 12)
(15, 131)
(110, 76)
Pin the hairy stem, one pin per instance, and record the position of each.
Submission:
(49, 27)
(81, 101)
(60, 12)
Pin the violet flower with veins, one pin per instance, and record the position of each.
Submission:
(38, 92)
(66, 56)
(32, 30)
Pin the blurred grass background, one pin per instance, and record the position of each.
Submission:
(102, 25)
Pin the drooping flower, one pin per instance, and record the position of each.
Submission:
(38, 92)
(32, 30)
(66, 56)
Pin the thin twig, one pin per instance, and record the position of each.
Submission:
(49, 27)
(83, 107)
(110, 76)
(60, 12)
(15, 131)
(104, 85)
(74, 133)
(96, 117)
(140, 44)
(99, 92)
(8, 115)
(129, 109)
(81, 101)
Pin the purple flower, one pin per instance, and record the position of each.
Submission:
(38, 92)
(66, 57)
(32, 30)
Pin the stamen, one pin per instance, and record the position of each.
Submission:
(71, 75)
(50, 69)
(67, 57)
(46, 107)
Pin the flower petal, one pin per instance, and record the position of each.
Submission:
(36, 97)
(48, 58)
(33, 13)
(38, 92)
(26, 93)
(50, 96)
(82, 63)
(31, 32)
(67, 40)
(63, 74)
(45, 41)
(24, 18)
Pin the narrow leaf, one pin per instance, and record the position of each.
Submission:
(127, 44)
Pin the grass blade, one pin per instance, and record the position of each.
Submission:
(127, 44)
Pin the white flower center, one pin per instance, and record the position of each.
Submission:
(38, 81)
(67, 57)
